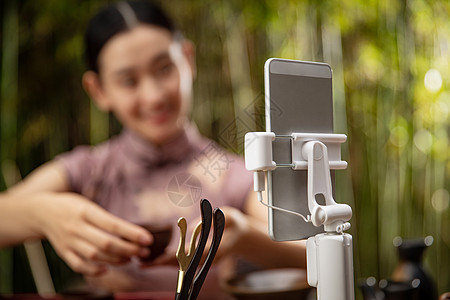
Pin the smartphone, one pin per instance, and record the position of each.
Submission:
(298, 98)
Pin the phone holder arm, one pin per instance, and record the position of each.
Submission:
(332, 215)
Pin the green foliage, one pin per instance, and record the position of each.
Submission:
(391, 93)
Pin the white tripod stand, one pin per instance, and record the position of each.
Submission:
(329, 254)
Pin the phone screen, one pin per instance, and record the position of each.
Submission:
(298, 99)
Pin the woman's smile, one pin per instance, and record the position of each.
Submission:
(158, 116)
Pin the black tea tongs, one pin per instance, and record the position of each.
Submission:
(189, 287)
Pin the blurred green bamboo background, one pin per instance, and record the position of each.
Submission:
(391, 73)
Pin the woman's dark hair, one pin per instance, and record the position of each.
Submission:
(118, 17)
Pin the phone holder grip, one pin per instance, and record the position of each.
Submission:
(258, 151)
(259, 156)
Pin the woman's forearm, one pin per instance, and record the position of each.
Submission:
(18, 219)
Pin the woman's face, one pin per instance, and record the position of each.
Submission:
(139, 81)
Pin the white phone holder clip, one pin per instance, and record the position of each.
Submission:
(330, 254)
(315, 152)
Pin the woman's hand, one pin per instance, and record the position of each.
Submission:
(237, 227)
(86, 236)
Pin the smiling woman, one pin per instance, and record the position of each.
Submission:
(87, 201)
(139, 80)
(136, 59)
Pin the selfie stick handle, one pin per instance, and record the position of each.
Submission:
(330, 266)
(329, 254)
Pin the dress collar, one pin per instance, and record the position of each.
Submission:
(147, 154)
